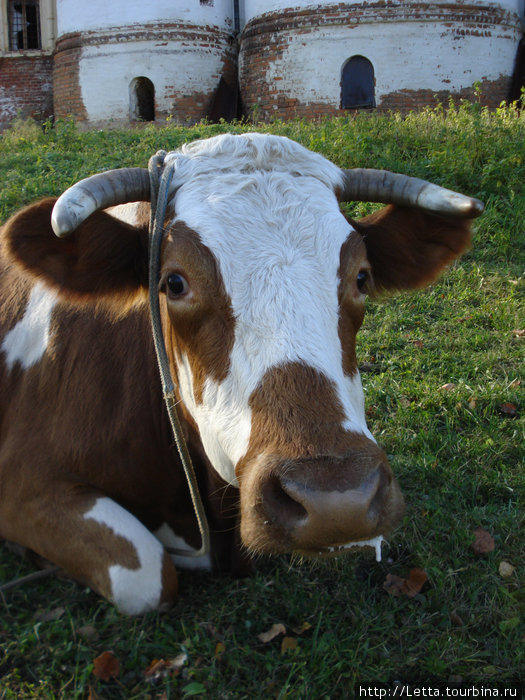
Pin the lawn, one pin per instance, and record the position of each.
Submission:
(443, 376)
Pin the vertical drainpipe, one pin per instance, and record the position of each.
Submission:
(236, 18)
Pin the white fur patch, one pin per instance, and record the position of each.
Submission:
(169, 539)
(266, 207)
(28, 341)
(134, 591)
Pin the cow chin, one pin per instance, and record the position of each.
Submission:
(321, 506)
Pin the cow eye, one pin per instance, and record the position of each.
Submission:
(362, 279)
(177, 285)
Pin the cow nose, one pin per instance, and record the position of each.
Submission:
(319, 504)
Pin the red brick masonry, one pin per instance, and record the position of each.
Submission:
(25, 87)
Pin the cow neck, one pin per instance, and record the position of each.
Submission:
(160, 180)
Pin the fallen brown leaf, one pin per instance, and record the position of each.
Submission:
(508, 409)
(288, 644)
(88, 633)
(274, 631)
(93, 695)
(393, 585)
(449, 386)
(50, 615)
(519, 333)
(483, 541)
(160, 668)
(303, 628)
(106, 666)
(456, 620)
(398, 586)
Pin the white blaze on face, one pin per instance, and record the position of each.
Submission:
(28, 341)
(266, 208)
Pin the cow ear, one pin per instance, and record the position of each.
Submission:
(408, 248)
(105, 258)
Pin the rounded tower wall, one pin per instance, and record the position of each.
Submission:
(184, 52)
(291, 59)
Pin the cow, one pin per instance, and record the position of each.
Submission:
(261, 290)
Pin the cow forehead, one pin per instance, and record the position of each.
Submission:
(277, 239)
(266, 207)
(276, 234)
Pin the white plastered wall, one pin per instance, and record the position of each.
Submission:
(175, 63)
(105, 74)
(407, 55)
(93, 15)
(255, 8)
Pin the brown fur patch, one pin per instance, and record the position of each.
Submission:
(351, 301)
(297, 432)
(408, 248)
(201, 326)
(104, 257)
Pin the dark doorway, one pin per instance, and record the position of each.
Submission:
(142, 99)
(518, 76)
(226, 103)
(358, 84)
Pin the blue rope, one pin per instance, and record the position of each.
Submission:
(160, 179)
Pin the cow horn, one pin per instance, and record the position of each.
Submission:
(98, 192)
(363, 185)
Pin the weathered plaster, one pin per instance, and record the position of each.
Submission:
(416, 56)
(174, 67)
(256, 8)
(94, 15)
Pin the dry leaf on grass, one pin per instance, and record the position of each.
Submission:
(88, 633)
(456, 620)
(505, 569)
(93, 695)
(302, 629)
(49, 615)
(449, 386)
(106, 666)
(159, 668)
(274, 631)
(288, 644)
(483, 541)
(411, 586)
(508, 409)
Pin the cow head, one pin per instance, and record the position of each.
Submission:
(263, 283)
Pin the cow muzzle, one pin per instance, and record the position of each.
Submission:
(319, 505)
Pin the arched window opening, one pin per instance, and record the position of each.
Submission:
(142, 99)
(358, 84)
(24, 25)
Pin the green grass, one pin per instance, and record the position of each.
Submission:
(458, 457)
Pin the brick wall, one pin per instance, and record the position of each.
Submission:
(25, 87)
(67, 96)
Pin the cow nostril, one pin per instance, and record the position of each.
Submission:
(279, 506)
(379, 497)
